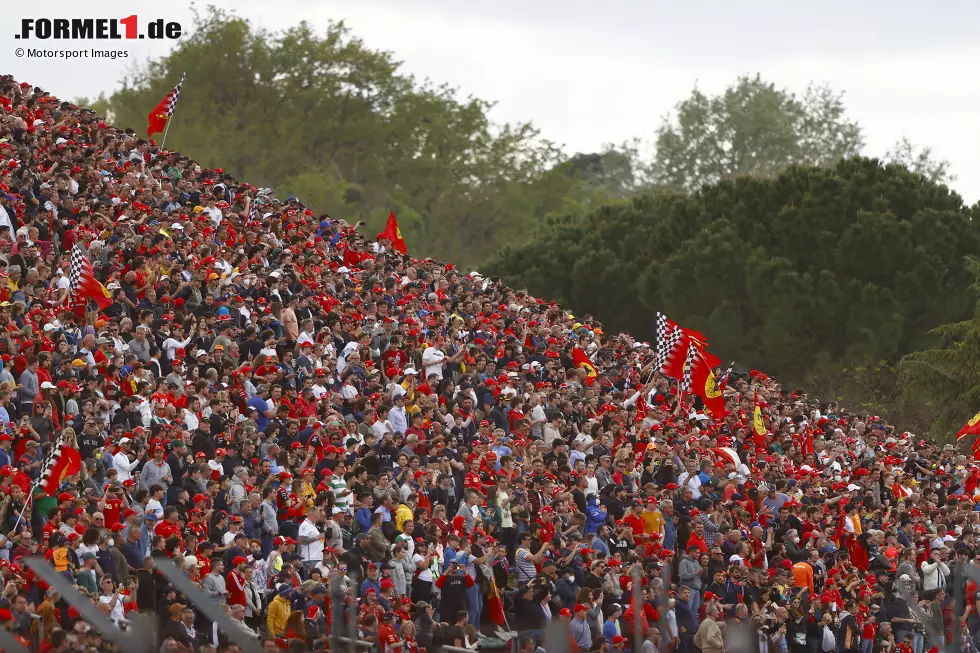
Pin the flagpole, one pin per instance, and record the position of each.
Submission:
(167, 128)
(27, 504)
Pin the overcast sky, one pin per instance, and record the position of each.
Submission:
(588, 73)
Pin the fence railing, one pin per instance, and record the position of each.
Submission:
(140, 632)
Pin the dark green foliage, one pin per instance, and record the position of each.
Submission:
(800, 274)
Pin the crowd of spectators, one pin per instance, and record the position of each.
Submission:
(328, 435)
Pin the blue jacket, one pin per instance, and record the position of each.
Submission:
(595, 515)
(363, 517)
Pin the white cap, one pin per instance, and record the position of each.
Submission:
(125, 441)
(735, 558)
(47, 385)
(410, 370)
(853, 487)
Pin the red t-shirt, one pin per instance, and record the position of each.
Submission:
(112, 511)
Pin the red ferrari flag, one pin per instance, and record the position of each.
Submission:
(679, 341)
(394, 234)
(159, 116)
(82, 281)
(64, 461)
(759, 430)
(970, 428)
(704, 385)
(581, 361)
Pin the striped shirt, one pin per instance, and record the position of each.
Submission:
(337, 486)
(525, 568)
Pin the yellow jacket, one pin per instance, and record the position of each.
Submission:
(279, 611)
(402, 514)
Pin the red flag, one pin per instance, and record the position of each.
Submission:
(581, 361)
(82, 281)
(808, 442)
(677, 355)
(970, 428)
(495, 606)
(704, 385)
(394, 234)
(158, 118)
(64, 462)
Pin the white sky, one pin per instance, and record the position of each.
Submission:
(589, 73)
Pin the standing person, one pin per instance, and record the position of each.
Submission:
(29, 386)
(687, 621)
(454, 584)
(423, 559)
(235, 583)
(709, 638)
(214, 583)
(581, 632)
(310, 539)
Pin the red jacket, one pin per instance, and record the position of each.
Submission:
(236, 588)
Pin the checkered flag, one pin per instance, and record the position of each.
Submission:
(666, 347)
(78, 261)
(82, 281)
(692, 357)
(253, 211)
(173, 96)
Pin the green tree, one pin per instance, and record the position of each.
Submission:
(920, 160)
(753, 128)
(815, 270)
(947, 375)
(322, 116)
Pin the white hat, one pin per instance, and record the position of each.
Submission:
(125, 441)
(47, 385)
(410, 370)
(853, 487)
(735, 558)
(177, 226)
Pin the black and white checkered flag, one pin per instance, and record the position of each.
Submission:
(666, 349)
(75, 268)
(174, 95)
(662, 329)
(692, 353)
